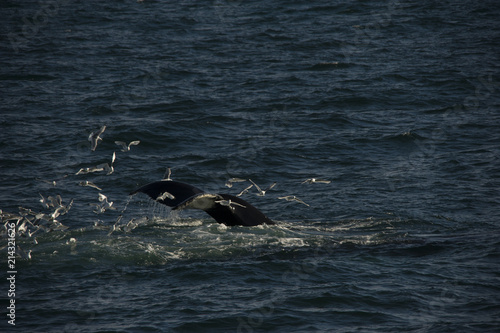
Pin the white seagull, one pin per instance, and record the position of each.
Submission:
(230, 182)
(89, 184)
(126, 147)
(262, 192)
(44, 201)
(55, 202)
(95, 137)
(165, 195)
(101, 167)
(104, 204)
(84, 171)
(293, 198)
(229, 203)
(315, 180)
(109, 168)
(244, 191)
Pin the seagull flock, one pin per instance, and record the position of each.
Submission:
(29, 223)
(261, 192)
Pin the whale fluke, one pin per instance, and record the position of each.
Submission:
(227, 209)
(224, 208)
(179, 191)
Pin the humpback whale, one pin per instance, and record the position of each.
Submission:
(224, 208)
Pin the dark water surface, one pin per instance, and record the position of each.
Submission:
(396, 103)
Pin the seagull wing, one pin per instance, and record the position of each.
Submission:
(244, 191)
(271, 186)
(103, 128)
(256, 186)
(122, 144)
(93, 143)
(94, 186)
(300, 201)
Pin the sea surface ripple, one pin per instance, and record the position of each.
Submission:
(395, 103)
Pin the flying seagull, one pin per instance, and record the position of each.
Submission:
(262, 192)
(126, 147)
(315, 180)
(293, 198)
(95, 137)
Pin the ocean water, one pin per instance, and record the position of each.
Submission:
(396, 103)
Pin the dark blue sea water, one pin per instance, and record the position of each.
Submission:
(396, 103)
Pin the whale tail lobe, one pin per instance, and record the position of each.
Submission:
(224, 208)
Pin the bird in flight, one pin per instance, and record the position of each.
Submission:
(262, 192)
(293, 198)
(126, 147)
(315, 180)
(95, 137)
